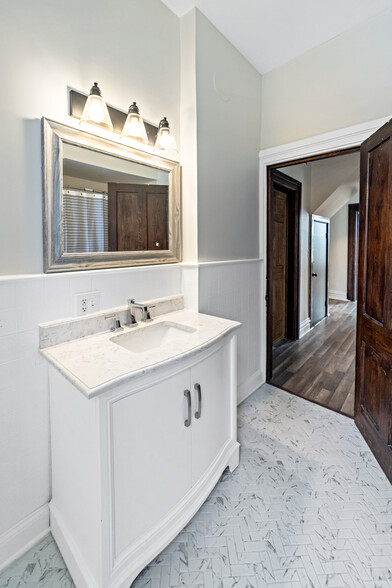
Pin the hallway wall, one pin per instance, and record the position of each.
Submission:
(340, 83)
(338, 251)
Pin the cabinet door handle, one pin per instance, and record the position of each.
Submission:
(198, 390)
(187, 395)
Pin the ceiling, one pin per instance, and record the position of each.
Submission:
(269, 33)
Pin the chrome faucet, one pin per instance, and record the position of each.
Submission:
(145, 310)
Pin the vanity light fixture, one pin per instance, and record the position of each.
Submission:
(95, 111)
(134, 126)
(165, 140)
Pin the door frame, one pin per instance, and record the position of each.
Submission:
(316, 147)
(352, 252)
(316, 218)
(293, 190)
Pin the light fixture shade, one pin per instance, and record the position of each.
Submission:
(134, 126)
(95, 111)
(165, 140)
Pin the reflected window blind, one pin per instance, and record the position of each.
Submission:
(85, 216)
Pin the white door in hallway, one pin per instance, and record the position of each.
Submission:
(319, 269)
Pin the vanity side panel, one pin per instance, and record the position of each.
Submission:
(75, 505)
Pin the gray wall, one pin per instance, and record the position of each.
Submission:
(338, 252)
(228, 141)
(340, 83)
(46, 46)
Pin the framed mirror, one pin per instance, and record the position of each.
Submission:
(106, 204)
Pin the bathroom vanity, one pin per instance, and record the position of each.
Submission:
(143, 423)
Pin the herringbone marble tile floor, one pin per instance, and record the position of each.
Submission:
(308, 506)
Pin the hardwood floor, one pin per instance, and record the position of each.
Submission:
(321, 365)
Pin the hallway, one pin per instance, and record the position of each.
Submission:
(321, 365)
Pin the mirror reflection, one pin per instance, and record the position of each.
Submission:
(112, 204)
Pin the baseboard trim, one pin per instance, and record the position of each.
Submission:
(20, 538)
(338, 295)
(304, 327)
(80, 573)
(250, 385)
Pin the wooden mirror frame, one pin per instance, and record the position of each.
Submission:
(55, 258)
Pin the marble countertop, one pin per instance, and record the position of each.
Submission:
(94, 364)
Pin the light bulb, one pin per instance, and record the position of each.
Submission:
(134, 126)
(165, 140)
(95, 111)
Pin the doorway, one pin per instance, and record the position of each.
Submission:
(372, 381)
(318, 361)
(283, 276)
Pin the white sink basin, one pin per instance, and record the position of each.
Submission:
(145, 338)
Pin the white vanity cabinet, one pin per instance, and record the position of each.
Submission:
(132, 465)
(151, 449)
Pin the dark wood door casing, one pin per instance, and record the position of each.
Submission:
(292, 189)
(138, 217)
(373, 392)
(279, 270)
(352, 252)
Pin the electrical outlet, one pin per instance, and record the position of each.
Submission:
(87, 303)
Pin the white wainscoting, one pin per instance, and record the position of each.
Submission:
(26, 301)
(228, 289)
(232, 289)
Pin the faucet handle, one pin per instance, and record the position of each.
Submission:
(116, 324)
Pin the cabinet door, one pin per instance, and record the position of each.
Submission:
(151, 449)
(211, 431)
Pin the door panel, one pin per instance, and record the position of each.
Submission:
(211, 431)
(131, 222)
(373, 392)
(377, 233)
(157, 220)
(377, 376)
(319, 269)
(279, 283)
(151, 447)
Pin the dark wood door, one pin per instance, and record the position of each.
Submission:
(279, 270)
(319, 263)
(373, 390)
(157, 219)
(138, 217)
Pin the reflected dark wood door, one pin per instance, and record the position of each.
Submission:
(373, 392)
(138, 217)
